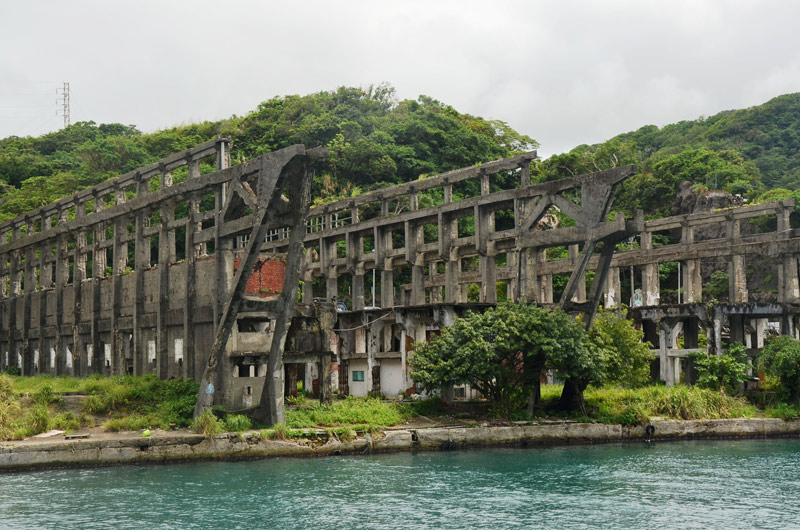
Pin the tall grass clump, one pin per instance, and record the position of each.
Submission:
(633, 406)
(18, 421)
(237, 423)
(208, 424)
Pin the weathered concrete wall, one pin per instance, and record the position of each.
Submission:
(169, 447)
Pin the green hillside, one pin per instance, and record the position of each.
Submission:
(374, 139)
(748, 151)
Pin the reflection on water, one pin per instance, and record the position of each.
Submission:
(731, 484)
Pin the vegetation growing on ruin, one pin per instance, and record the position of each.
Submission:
(725, 372)
(781, 360)
(350, 411)
(30, 405)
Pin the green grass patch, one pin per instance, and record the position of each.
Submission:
(132, 403)
(348, 412)
(783, 411)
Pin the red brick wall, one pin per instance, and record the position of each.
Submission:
(267, 277)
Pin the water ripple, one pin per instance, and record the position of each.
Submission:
(741, 484)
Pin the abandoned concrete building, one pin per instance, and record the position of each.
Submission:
(142, 274)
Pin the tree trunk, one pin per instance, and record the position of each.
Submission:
(536, 397)
(572, 396)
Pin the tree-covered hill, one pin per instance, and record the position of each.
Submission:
(375, 141)
(749, 151)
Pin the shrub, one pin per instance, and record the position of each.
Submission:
(781, 359)
(726, 372)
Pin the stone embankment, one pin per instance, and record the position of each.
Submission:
(164, 447)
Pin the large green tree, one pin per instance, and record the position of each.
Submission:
(501, 352)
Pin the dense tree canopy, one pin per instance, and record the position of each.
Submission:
(375, 141)
(743, 151)
(503, 351)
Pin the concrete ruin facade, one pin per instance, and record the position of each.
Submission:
(140, 273)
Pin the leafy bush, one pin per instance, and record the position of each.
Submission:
(626, 358)
(781, 359)
(726, 372)
(628, 406)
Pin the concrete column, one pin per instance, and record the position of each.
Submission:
(488, 270)
(436, 290)
(787, 325)
(676, 370)
(358, 287)
(692, 282)
(546, 289)
(788, 285)
(737, 279)
(418, 280)
(783, 215)
(651, 286)
(308, 287)
(529, 288)
(715, 334)
(387, 284)
(580, 292)
(664, 341)
(760, 325)
(452, 290)
(613, 288)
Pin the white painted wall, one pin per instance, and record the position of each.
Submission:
(391, 378)
(357, 388)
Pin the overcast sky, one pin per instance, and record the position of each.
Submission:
(565, 73)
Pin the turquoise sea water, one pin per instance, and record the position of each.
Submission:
(726, 484)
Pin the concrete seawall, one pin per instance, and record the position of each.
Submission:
(175, 447)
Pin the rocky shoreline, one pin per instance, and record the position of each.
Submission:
(166, 447)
